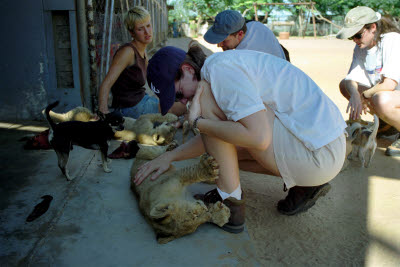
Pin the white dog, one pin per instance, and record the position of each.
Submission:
(364, 143)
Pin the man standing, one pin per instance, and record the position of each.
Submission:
(230, 31)
(175, 29)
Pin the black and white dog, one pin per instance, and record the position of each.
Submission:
(91, 135)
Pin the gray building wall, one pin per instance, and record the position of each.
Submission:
(23, 65)
(34, 59)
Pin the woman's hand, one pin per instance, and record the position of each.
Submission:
(154, 168)
(195, 107)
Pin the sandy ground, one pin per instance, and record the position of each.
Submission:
(357, 223)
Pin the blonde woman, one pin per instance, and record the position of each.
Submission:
(126, 77)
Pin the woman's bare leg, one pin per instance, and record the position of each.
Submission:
(223, 152)
(227, 155)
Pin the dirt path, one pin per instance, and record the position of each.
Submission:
(357, 223)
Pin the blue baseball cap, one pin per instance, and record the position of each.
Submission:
(161, 72)
(226, 22)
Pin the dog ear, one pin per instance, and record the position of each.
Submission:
(356, 132)
(115, 114)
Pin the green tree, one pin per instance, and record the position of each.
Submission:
(196, 10)
(203, 10)
(341, 7)
(246, 8)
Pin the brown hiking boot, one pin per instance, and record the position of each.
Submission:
(394, 148)
(237, 208)
(301, 198)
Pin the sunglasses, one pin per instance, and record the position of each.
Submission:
(358, 35)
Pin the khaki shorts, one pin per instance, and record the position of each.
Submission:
(300, 166)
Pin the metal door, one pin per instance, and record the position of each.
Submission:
(62, 53)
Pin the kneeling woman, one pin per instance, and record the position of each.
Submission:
(255, 112)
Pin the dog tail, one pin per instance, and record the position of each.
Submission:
(376, 126)
(47, 111)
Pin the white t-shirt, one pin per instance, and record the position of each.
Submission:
(244, 82)
(260, 38)
(369, 66)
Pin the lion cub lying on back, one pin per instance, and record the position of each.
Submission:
(165, 202)
(150, 129)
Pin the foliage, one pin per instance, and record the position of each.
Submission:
(247, 7)
(197, 9)
(341, 7)
(206, 10)
(180, 13)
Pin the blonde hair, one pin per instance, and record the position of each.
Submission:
(135, 15)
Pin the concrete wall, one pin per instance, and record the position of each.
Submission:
(27, 65)
(23, 64)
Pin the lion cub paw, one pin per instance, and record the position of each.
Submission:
(219, 213)
(172, 145)
(210, 166)
(185, 127)
(169, 117)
